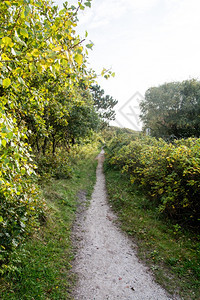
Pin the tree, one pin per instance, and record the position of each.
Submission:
(82, 120)
(103, 104)
(172, 109)
(42, 62)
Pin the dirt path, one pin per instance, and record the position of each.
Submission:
(106, 263)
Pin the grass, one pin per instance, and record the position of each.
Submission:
(173, 254)
(43, 263)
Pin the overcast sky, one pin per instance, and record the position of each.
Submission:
(145, 42)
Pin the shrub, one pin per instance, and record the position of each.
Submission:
(57, 166)
(19, 196)
(168, 173)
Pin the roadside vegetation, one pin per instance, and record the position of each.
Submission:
(157, 204)
(49, 119)
(42, 265)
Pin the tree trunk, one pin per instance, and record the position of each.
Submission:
(44, 146)
(37, 144)
(73, 141)
(54, 145)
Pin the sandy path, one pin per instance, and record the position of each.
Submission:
(106, 264)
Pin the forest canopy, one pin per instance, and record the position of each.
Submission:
(172, 109)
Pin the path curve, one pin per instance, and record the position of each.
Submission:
(106, 263)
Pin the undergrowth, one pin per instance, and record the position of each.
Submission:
(43, 264)
(173, 254)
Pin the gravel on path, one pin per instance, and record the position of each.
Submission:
(106, 263)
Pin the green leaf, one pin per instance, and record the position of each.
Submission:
(62, 11)
(64, 63)
(5, 130)
(23, 170)
(59, 36)
(103, 72)
(9, 135)
(79, 59)
(7, 3)
(1, 219)
(81, 6)
(89, 46)
(6, 82)
(27, 10)
(87, 4)
(24, 32)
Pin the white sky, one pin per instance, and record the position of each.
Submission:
(145, 42)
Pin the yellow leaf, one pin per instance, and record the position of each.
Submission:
(6, 41)
(3, 142)
(8, 3)
(69, 37)
(39, 68)
(58, 48)
(6, 82)
(35, 53)
(5, 57)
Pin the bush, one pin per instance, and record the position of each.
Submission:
(57, 166)
(168, 173)
(19, 196)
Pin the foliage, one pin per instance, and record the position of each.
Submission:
(82, 121)
(104, 104)
(56, 166)
(115, 138)
(43, 66)
(43, 263)
(62, 164)
(42, 63)
(86, 146)
(173, 254)
(172, 109)
(19, 195)
(168, 173)
(45, 107)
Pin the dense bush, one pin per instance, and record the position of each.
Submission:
(85, 147)
(57, 166)
(168, 173)
(19, 195)
(60, 165)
